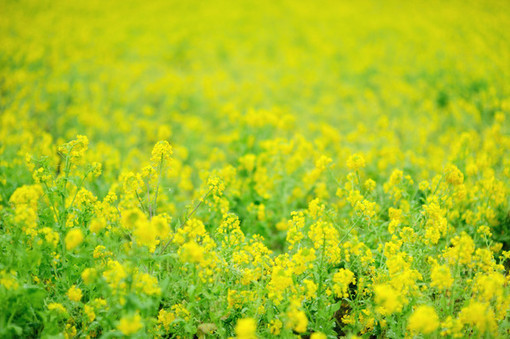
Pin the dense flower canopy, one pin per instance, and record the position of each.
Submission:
(254, 169)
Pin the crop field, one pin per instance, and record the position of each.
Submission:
(254, 169)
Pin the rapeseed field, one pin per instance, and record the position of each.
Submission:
(254, 169)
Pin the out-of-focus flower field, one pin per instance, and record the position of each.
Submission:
(201, 169)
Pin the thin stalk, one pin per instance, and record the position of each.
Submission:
(52, 202)
(79, 187)
(159, 183)
(319, 289)
(349, 231)
(149, 199)
(189, 216)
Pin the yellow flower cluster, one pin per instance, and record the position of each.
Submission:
(130, 324)
(424, 320)
(74, 293)
(246, 328)
(73, 238)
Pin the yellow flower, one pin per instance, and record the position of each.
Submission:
(355, 162)
(8, 280)
(247, 162)
(479, 315)
(130, 324)
(165, 318)
(281, 279)
(131, 217)
(453, 175)
(73, 238)
(490, 286)
(57, 307)
(192, 252)
(423, 185)
(115, 274)
(160, 225)
(161, 152)
(369, 186)
(145, 234)
(275, 326)
(216, 186)
(441, 277)
(342, 279)
(388, 299)
(366, 208)
(423, 320)
(297, 320)
(395, 215)
(96, 225)
(147, 283)
(50, 236)
(246, 328)
(485, 231)
(74, 293)
(311, 289)
(100, 252)
(75, 149)
(88, 275)
(89, 312)
(180, 311)
(70, 331)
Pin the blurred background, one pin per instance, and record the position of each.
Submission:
(383, 77)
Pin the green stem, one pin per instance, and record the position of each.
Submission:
(67, 169)
(52, 202)
(78, 188)
(159, 183)
(319, 289)
(188, 216)
(140, 202)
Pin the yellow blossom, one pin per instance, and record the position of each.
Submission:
(297, 320)
(441, 277)
(246, 328)
(74, 293)
(130, 324)
(57, 307)
(73, 238)
(355, 162)
(423, 320)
